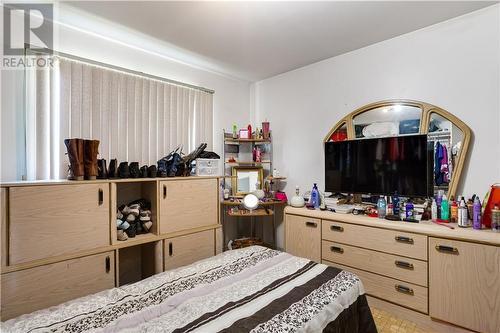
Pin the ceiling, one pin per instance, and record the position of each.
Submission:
(256, 40)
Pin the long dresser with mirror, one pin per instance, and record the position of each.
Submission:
(422, 271)
(59, 238)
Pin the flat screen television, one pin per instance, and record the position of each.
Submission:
(380, 166)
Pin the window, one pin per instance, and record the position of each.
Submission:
(135, 118)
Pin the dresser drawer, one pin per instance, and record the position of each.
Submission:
(401, 268)
(44, 286)
(392, 290)
(389, 241)
(52, 220)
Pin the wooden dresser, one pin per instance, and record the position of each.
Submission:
(426, 270)
(58, 238)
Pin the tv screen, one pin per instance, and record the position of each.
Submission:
(379, 166)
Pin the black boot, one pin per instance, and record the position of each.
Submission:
(135, 172)
(123, 171)
(162, 168)
(112, 171)
(152, 171)
(102, 170)
(144, 171)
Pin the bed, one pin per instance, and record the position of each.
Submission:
(254, 289)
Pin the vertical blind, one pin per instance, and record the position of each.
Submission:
(135, 118)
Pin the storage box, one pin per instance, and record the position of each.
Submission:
(207, 167)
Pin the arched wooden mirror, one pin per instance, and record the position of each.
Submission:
(449, 136)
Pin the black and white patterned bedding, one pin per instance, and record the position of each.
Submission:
(249, 290)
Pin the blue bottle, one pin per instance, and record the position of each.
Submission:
(410, 210)
(381, 207)
(315, 196)
(395, 204)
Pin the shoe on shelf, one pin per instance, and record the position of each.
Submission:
(145, 212)
(147, 226)
(121, 235)
(135, 172)
(123, 170)
(118, 223)
(143, 203)
(139, 228)
(152, 171)
(134, 209)
(144, 171)
(74, 148)
(119, 214)
(124, 226)
(145, 218)
(102, 170)
(132, 230)
(90, 151)
(112, 171)
(162, 169)
(130, 218)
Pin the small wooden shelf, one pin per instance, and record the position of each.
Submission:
(137, 240)
(246, 163)
(271, 178)
(256, 212)
(236, 141)
(261, 203)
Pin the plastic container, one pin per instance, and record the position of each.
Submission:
(495, 218)
(381, 207)
(207, 167)
(315, 196)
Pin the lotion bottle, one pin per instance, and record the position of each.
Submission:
(476, 216)
(434, 211)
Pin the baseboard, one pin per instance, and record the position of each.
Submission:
(422, 320)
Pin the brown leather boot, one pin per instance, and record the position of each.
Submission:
(74, 148)
(91, 149)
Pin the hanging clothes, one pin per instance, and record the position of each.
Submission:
(438, 156)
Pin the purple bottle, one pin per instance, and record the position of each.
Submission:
(476, 214)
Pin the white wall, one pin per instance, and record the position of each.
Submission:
(231, 99)
(454, 65)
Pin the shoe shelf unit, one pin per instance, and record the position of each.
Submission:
(59, 238)
(126, 192)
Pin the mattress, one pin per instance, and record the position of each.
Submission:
(254, 289)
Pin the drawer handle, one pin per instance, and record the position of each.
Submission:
(108, 264)
(404, 290)
(447, 249)
(164, 191)
(170, 249)
(404, 264)
(100, 197)
(336, 228)
(336, 249)
(403, 239)
(311, 224)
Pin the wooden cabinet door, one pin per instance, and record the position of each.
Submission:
(184, 250)
(303, 237)
(464, 284)
(187, 204)
(52, 220)
(44, 286)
